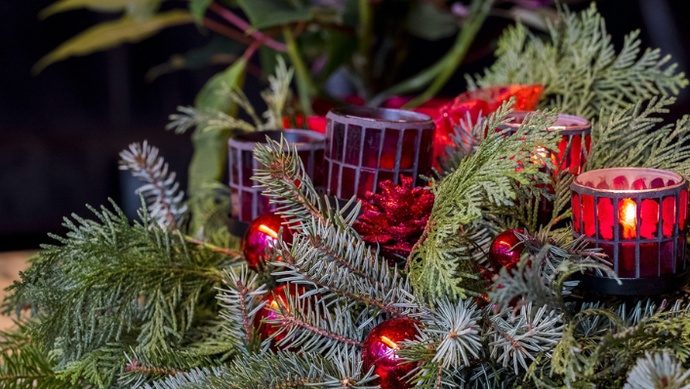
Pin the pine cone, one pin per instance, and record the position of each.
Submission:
(395, 219)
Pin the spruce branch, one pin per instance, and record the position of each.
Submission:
(516, 337)
(161, 191)
(241, 300)
(658, 371)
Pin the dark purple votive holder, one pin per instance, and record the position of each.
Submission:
(247, 201)
(365, 146)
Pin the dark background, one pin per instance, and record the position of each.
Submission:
(61, 131)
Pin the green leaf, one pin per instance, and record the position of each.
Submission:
(107, 35)
(198, 9)
(131, 6)
(210, 96)
(211, 147)
(269, 13)
(428, 22)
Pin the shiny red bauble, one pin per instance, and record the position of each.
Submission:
(261, 235)
(505, 250)
(380, 350)
(277, 299)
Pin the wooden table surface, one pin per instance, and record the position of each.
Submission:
(11, 263)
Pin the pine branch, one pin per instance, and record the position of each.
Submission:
(658, 371)
(241, 300)
(160, 189)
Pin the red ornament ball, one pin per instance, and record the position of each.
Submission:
(276, 299)
(505, 250)
(262, 234)
(380, 350)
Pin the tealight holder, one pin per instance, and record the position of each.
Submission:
(638, 217)
(247, 201)
(571, 155)
(365, 146)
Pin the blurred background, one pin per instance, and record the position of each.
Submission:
(61, 130)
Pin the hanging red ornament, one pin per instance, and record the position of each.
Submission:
(479, 103)
(276, 299)
(262, 234)
(505, 250)
(395, 218)
(381, 348)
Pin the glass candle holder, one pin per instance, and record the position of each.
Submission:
(247, 201)
(574, 130)
(638, 217)
(365, 146)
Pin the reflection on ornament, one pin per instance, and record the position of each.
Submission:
(505, 250)
(277, 299)
(262, 235)
(380, 351)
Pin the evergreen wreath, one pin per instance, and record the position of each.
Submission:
(166, 302)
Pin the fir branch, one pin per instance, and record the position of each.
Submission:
(207, 119)
(160, 189)
(579, 67)
(110, 286)
(278, 94)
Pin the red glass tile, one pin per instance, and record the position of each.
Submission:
(603, 185)
(385, 176)
(408, 149)
(246, 199)
(608, 250)
(390, 149)
(372, 145)
(680, 254)
(366, 183)
(588, 215)
(621, 183)
(683, 209)
(639, 184)
(263, 205)
(338, 141)
(668, 216)
(335, 179)
(657, 183)
(347, 186)
(247, 168)
(319, 169)
(627, 218)
(353, 146)
(649, 259)
(576, 160)
(649, 219)
(667, 257)
(426, 151)
(626, 262)
(575, 203)
(605, 216)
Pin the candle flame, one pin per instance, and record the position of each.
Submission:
(268, 230)
(628, 218)
(389, 342)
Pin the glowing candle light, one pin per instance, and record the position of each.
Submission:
(633, 216)
(628, 218)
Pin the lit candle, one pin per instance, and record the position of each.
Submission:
(641, 227)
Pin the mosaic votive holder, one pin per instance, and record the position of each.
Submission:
(638, 217)
(365, 146)
(573, 129)
(247, 201)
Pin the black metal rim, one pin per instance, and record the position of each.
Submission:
(646, 286)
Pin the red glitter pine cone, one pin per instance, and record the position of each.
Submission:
(394, 219)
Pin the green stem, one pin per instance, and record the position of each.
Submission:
(439, 73)
(364, 35)
(305, 86)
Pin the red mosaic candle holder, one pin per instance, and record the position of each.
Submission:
(573, 129)
(365, 146)
(638, 217)
(247, 201)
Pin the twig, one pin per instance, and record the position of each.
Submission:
(246, 27)
(318, 243)
(243, 291)
(212, 247)
(227, 31)
(143, 165)
(289, 320)
(425, 234)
